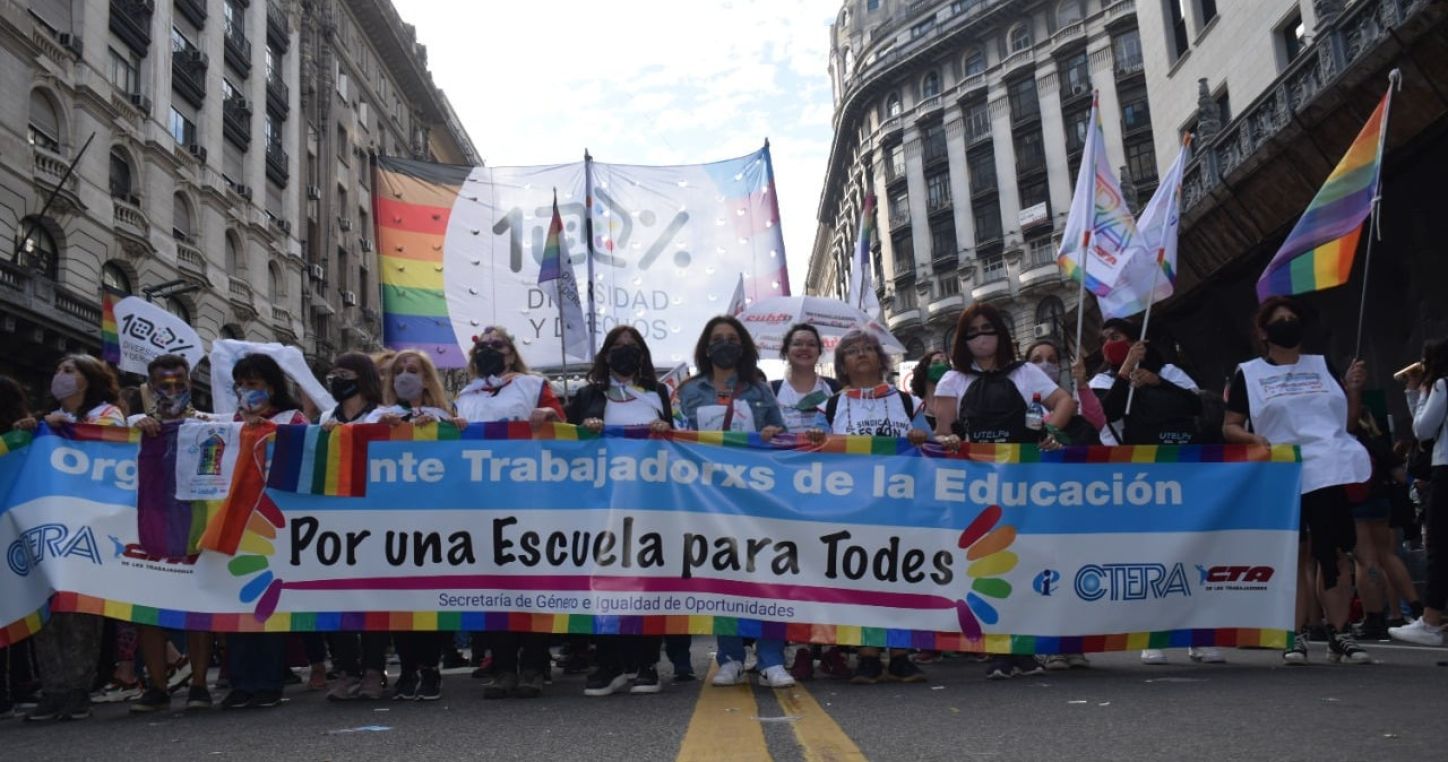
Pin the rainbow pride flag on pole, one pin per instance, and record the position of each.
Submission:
(555, 278)
(862, 289)
(1100, 236)
(110, 337)
(1318, 253)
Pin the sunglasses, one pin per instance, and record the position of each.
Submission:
(986, 332)
(498, 344)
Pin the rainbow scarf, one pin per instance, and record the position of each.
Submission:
(1318, 254)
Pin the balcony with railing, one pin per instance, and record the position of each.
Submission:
(277, 168)
(188, 72)
(278, 95)
(239, 292)
(129, 220)
(131, 23)
(193, 11)
(26, 290)
(278, 29)
(992, 280)
(50, 167)
(237, 49)
(189, 259)
(236, 120)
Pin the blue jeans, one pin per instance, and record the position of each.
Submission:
(770, 652)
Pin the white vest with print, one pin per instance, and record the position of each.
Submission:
(1303, 405)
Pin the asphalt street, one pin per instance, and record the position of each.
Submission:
(1250, 708)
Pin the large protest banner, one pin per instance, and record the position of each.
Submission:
(460, 249)
(862, 541)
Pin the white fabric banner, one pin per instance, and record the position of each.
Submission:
(145, 332)
(205, 459)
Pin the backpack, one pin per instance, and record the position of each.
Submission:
(996, 392)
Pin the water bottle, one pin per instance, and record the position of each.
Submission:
(1035, 413)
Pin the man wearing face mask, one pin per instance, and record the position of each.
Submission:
(168, 378)
(1291, 398)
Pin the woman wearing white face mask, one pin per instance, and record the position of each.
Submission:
(990, 397)
(68, 646)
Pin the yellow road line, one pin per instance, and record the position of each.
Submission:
(724, 725)
(820, 737)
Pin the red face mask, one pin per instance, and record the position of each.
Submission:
(1115, 351)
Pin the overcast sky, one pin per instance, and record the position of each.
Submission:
(643, 82)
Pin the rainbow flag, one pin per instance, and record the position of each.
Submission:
(110, 337)
(1100, 237)
(862, 289)
(555, 279)
(1318, 253)
(311, 461)
(414, 202)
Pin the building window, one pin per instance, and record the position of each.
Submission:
(272, 75)
(176, 307)
(120, 178)
(44, 127)
(1208, 11)
(125, 71)
(872, 5)
(1034, 193)
(933, 143)
(1076, 75)
(1024, 103)
(182, 227)
(234, 20)
(930, 86)
(182, 129)
(905, 300)
(1020, 37)
(992, 269)
(1291, 35)
(977, 121)
(904, 247)
(937, 191)
(1141, 162)
(1135, 112)
(974, 63)
(948, 285)
(895, 162)
(942, 239)
(1030, 152)
(1176, 28)
(987, 215)
(114, 279)
(892, 105)
(273, 132)
(38, 252)
(849, 62)
(1078, 127)
(1224, 106)
(235, 263)
(275, 284)
(1126, 51)
(923, 28)
(230, 331)
(899, 208)
(1039, 251)
(980, 163)
(1068, 12)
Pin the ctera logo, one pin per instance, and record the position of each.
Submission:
(1131, 582)
(50, 541)
(1045, 583)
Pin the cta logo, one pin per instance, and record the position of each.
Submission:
(1235, 577)
(1046, 582)
(1131, 582)
(39, 543)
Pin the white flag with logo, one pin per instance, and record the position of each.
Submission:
(1150, 276)
(145, 332)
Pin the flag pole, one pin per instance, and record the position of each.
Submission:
(558, 301)
(588, 230)
(1081, 292)
(1395, 82)
(1146, 321)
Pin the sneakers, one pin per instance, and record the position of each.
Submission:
(1419, 632)
(345, 689)
(902, 670)
(1078, 661)
(237, 699)
(775, 677)
(49, 708)
(647, 681)
(1297, 653)
(530, 684)
(686, 676)
(605, 681)
(803, 667)
(265, 699)
(1057, 663)
(198, 698)
(1028, 665)
(730, 673)
(153, 700)
(373, 686)
(834, 663)
(406, 688)
(999, 668)
(868, 670)
(1343, 648)
(78, 707)
(430, 686)
(1206, 655)
(1153, 656)
(502, 686)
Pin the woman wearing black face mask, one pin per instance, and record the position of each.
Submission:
(356, 385)
(623, 390)
(1295, 398)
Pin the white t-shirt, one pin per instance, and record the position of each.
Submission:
(711, 417)
(632, 406)
(1029, 380)
(799, 420)
(514, 401)
(875, 416)
(371, 416)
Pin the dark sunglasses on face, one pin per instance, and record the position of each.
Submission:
(976, 334)
(497, 344)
